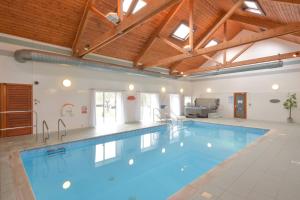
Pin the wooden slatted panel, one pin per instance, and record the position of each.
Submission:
(16, 98)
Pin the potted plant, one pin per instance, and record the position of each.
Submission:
(289, 104)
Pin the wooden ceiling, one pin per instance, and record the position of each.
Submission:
(143, 38)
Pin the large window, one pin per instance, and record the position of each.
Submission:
(108, 107)
(149, 104)
(175, 104)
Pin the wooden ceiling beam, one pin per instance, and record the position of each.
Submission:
(211, 59)
(101, 16)
(82, 26)
(240, 52)
(294, 54)
(171, 44)
(154, 7)
(120, 10)
(219, 24)
(191, 24)
(288, 1)
(157, 31)
(276, 32)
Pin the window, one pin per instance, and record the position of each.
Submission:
(139, 5)
(175, 104)
(211, 43)
(182, 32)
(253, 7)
(149, 102)
(187, 100)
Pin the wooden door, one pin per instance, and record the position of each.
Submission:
(15, 109)
(240, 105)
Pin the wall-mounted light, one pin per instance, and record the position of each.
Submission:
(275, 87)
(208, 90)
(67, 83)
(163, 89)
(181, 90)
(66, 185)
(131, 87)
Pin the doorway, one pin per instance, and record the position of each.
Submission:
(107, 107)
(240, 105)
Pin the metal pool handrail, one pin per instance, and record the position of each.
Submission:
(48, 135)
(60, 121)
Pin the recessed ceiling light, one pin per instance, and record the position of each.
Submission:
(211, 43)
(182, 32)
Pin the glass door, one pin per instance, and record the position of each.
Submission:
(149, 102)
(175, 104)
(106, 107)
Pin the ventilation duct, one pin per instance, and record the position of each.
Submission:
(47, 57)
(245, 68)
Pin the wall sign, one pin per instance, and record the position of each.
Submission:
(84, 110)
(131, 98)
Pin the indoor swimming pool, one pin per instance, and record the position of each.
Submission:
(145, 164)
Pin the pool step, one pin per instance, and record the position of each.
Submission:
(60, 150)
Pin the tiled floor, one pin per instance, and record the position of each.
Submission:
(269, 169)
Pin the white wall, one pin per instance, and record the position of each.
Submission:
(256, 84)
(52, 95)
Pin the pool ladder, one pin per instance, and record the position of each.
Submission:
(61, 122)
(45, 137)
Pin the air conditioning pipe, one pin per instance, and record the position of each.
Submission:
(245, 68)
(25, 55)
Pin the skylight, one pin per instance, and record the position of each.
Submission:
(182, 32)
(140, 4)
(253, 7)
(126, 5)
(211, 43)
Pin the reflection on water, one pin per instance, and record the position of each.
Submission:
(123, 167)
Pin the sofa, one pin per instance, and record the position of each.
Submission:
(202, 107)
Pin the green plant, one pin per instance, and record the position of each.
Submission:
(290, 103)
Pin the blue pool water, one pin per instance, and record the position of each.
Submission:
(147, 164)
